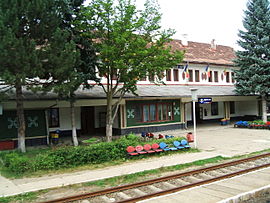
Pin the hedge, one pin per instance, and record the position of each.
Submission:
(67, 157)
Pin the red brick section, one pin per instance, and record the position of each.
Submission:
(196, 52)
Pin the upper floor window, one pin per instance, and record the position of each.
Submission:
(210, 76)
(233, 80)
(53, 117)
(216, 76)
(175, 75)
(227, 77)
(168, 75)
(190, 73)
(197, 76)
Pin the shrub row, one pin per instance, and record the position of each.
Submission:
(67, 157)
(257, 124)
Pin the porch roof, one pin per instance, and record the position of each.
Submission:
(183, 91)
(143, 91)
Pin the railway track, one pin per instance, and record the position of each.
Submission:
(173, 183)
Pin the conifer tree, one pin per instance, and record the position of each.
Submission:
(253, 77)
(68, 79)
(30, 33)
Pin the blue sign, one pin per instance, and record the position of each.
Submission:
(205, 100)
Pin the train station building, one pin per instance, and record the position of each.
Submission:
(206, 67)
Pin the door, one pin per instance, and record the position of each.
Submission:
(198, 113)
(88, 120)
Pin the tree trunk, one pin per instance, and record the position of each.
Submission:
(109, 120)
(20, 117)
(73, 124)
(264, 113)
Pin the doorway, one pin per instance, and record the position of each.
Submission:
(88, 120)
(198, 113)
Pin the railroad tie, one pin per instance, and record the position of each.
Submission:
(215, 173)
(139, 192)
(155, 189)
(85, 201)
(193, 179)
(107, 199)
(123, 195)
(168, 185)
(205, 176)
(180, 182)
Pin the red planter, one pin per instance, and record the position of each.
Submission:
(190, 137)
(6, 145)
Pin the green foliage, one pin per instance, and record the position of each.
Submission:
(254, 58)
(34, 45)
(67, 157)
(26, 197)
(17, 163)
(130, 46)
(91, 140)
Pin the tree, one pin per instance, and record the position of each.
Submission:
(67, 79)
(130, 45)
(253, 77)
(28, 30)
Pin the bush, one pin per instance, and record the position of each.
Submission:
(66, 157)
(17, 163)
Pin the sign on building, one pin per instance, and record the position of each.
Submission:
(205, 100)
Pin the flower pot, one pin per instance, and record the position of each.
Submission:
(190, 137)
(6, 145)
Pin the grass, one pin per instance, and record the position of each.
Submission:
(26, 197)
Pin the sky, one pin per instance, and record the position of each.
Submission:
(203, 20)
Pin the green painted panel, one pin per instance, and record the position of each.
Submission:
(133, 109)
(34, 120)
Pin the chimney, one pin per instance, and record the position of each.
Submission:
(213, 45)
(184, 39)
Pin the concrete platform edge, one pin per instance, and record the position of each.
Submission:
(245, 195)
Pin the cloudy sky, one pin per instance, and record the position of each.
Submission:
(203, 20)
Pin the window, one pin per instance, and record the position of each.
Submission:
(232, 107)
(216, 76)
(233, 78)
(53, 117)
(190, 72)
(210, 79)
(168, 75)
(175, 75)
(227, 77)
(197, 76)
(214, 108)
(154, 112)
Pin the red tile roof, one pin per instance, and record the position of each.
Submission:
(196, 52)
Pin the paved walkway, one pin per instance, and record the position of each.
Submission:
(212, 141)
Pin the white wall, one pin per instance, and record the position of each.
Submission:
(246, 108)
(65, 119)
(241, 108)
(188, 111)
(208, 109)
